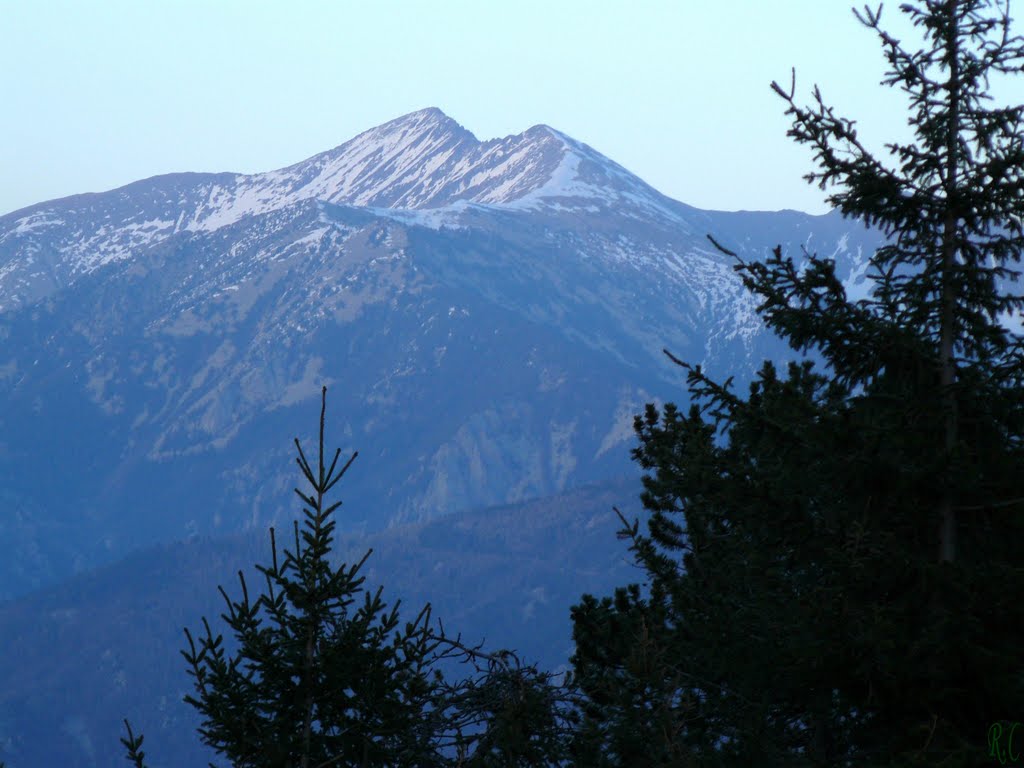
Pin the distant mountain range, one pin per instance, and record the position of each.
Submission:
(488, 317)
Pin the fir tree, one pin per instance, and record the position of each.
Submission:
(833, 561)
(322, 673)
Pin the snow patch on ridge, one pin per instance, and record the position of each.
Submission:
(33, 223)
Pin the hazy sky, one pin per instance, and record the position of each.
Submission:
(99, 93)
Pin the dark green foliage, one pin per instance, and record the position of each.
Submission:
(637, 699)
(834, 562)
(324, 671)
(509, 715)
(133, 746)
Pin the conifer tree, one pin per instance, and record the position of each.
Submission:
(320, 672)
(509, 715)
(833, 561)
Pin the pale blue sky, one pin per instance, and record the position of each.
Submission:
(99, 93)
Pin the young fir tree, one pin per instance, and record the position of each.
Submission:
(321, 673)
(834, 567)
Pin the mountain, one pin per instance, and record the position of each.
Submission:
(487, 315)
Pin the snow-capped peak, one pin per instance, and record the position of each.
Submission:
(427, 160)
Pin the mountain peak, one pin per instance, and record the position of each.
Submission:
(426, 160)
(541, 129)
(430, 120)
(427, 115)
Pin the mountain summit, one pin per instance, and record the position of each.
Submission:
(427, 160)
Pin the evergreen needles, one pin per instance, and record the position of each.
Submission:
(833, 560)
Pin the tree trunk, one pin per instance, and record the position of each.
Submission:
(947, 515)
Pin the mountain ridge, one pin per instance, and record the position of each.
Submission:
(423, 160)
